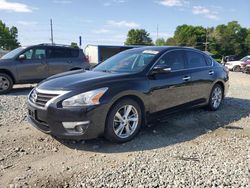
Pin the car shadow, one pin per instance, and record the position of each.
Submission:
(173, 129)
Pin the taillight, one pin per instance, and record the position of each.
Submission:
(86, 59)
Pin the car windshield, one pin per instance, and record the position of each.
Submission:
(244, 59)
(130, 61)
(13, 53)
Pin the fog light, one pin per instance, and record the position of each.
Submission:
(81, 128)
(73, 125)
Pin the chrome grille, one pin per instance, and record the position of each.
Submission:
(41, 99)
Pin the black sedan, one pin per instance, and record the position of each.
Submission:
(122, 94)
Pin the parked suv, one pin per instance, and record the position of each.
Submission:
(35, 63)
(123, 93)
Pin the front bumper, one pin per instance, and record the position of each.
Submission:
(50, 120)
(230, 67)
(226, 89)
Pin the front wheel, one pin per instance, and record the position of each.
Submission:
(124, 121)
(6, 83)
(237, 69)
(216, 97)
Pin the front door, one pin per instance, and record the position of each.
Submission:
(173, 88)
(33, 67)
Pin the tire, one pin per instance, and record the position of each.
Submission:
(236, 69)
(118, 127)
(6, 83)
(215, 98)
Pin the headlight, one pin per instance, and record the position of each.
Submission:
(85, 99)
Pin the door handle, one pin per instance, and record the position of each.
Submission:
(186, 78)
(211, 72)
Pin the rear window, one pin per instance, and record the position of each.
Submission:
(63, 53)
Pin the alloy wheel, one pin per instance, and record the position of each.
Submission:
(4, 83)
(216, 97)
(125, 121)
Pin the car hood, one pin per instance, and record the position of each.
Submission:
(78, 80)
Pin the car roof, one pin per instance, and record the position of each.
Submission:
(52, 45)
(162, 49)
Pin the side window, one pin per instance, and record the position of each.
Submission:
(74, 53)
(68, 53)
(195, 59)
(39, 54)
(209, 61)
(173, 60)
(56, 53)
(28, 54)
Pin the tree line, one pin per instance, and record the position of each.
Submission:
(222, 40)
(8, 37)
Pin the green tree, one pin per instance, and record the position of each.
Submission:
(74, 45)
(8, 37)
(138, 37)
(248, 41)
(171, 42)
(229, 39)
(188, 35)
(160, 42)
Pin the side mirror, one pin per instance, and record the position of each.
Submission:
(22, 57)
(161, 69)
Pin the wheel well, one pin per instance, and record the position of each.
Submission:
(9, 74)
(136, 99)
(236, 66)
(222, 86)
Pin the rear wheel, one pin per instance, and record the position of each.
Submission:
(124, 121)
(6, 83)
(216, 97)
(236, 68)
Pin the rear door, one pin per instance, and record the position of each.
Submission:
(202, 74)
(173, 88)
(34, 66)
(59, 60)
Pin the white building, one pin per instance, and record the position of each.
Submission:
(99, 53)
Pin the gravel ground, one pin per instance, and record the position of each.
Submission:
(190, 149)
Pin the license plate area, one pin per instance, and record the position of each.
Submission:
(32, 113)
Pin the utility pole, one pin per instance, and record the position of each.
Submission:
(157, 32)
(80, 41)
(51, 32)
(206, 43)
